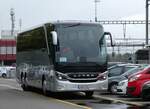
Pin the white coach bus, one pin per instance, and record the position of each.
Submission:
(63, 57)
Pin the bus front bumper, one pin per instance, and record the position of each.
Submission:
(62, 86)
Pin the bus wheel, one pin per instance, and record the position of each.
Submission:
(89, 94)
(44, 89)
(24, 84)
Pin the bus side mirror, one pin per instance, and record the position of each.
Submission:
(111, 40)
(54, 37)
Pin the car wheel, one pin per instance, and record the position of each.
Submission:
(145, 95)
(89, 94)
(4, 75)
(113, 88)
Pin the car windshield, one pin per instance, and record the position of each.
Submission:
(120, 70)
(135, 70)
(80, 43)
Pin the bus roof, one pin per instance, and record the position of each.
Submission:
(143, 49)
(60, 22)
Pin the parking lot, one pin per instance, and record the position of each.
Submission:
(123, 99)
(97, 97)
(107, 100)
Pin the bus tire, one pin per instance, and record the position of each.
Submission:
(89, 94)
(44, 89)
(24, 85)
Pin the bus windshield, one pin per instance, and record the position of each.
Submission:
(80, 43)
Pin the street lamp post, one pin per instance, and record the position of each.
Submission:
(12, 14)
(96, 1)
(147, 18)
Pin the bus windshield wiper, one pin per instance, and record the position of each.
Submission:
(74, 25)
(80, 64)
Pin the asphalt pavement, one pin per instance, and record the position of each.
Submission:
(12, 97)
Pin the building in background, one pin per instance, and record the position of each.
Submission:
(6, 34)
(7, 51)
(8, 48)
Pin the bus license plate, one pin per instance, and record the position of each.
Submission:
(83, 87)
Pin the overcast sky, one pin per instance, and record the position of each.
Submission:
(33, 12)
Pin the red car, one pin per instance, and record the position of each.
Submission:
(136, 81)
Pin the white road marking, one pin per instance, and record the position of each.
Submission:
(73, 104)
(11, 87)
(117, 100)
(64, 102)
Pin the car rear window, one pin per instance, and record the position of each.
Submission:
(128, 68)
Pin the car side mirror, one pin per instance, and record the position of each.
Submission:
(126, 76)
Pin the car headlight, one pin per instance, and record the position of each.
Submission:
(102, 76)
(61, 76)
(134, 78)
(121, 83)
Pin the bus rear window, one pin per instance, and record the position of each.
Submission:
(142, 55)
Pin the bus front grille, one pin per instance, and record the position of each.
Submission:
(83, 81)
(82, 77)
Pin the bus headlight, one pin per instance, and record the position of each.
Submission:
(102, 76)
(61, 76)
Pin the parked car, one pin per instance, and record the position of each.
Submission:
(4, 71)
(145, 94)
(122, 85)
(110, 64)
(117, 73)
(11, 73)
(136, 81)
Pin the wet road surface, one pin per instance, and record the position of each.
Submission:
(12, 97)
